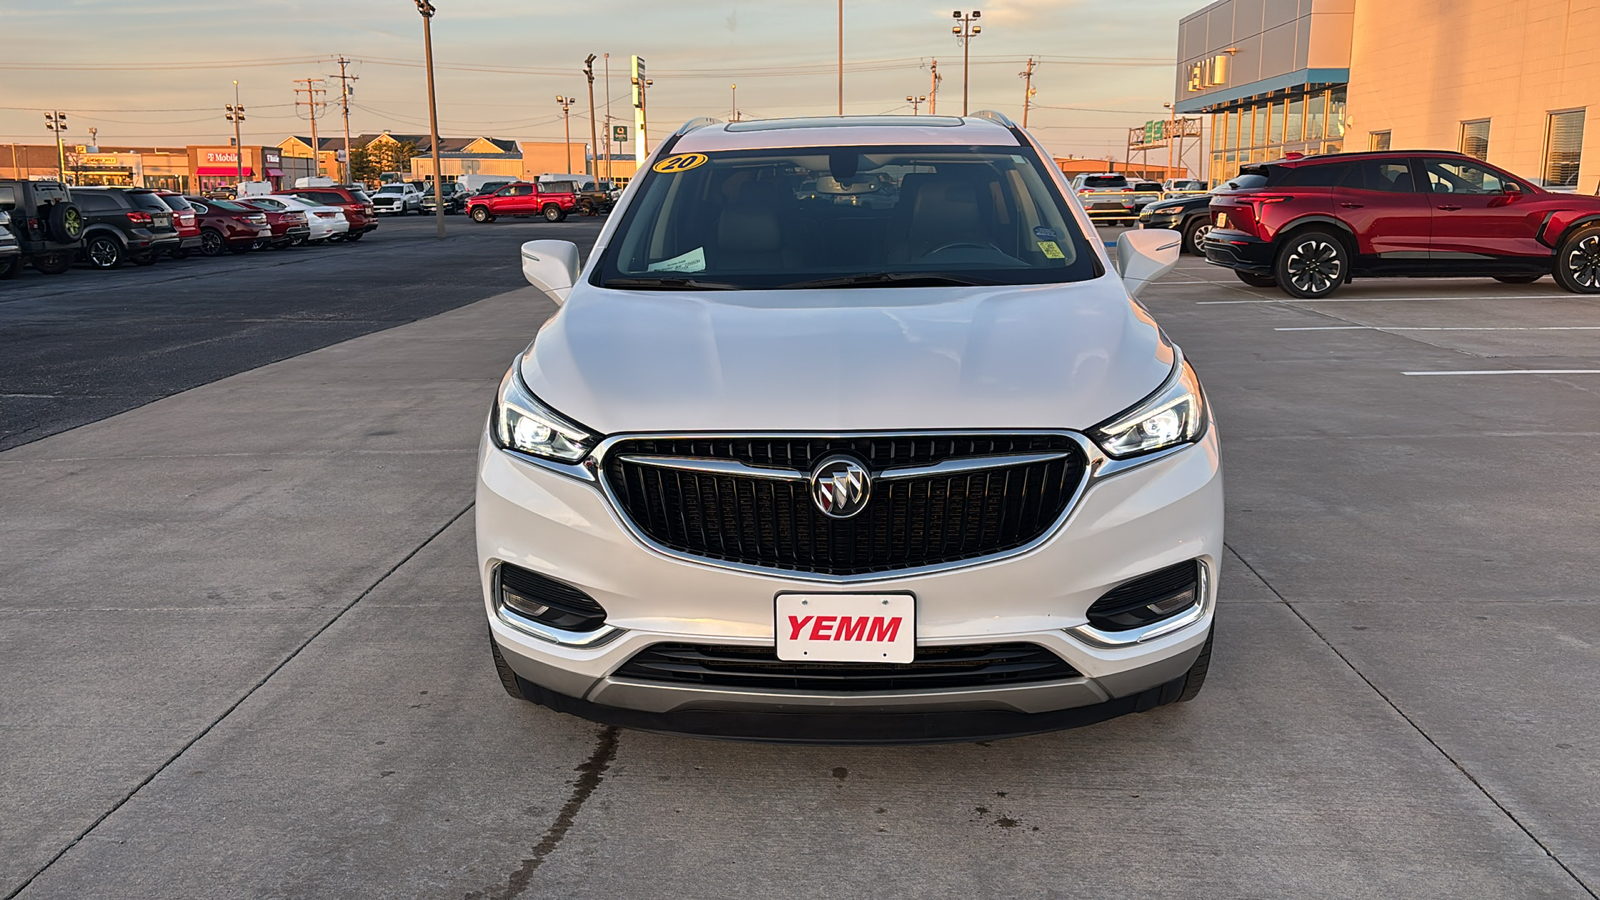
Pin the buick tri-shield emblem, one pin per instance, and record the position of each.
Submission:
(840, 486)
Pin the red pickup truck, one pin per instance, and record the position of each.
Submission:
(523, 198)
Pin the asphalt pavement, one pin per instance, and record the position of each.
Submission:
(242, 649)
(90, 344)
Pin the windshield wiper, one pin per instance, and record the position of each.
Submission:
(896, 279)
(671, 283)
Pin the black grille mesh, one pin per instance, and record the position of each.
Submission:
(909, 522)
(934, 668)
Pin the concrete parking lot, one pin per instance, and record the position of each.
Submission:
(243, 650)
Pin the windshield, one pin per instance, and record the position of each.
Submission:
(175, 203)
(781, 218)
(1100, 182)
(392, 189)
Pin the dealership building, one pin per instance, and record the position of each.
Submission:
(1508, 81)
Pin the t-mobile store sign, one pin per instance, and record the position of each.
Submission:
(222, 157)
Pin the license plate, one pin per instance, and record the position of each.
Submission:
(1222, 220)
(864, 628)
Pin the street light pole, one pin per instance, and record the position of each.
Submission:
(841, 57)
(610, 145)
(915, 101)
(965, 32)
(566, 123)
(594, 144)
(236, 115)
(56, 121)
(425, 7)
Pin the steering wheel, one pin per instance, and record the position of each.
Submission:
(955, 245)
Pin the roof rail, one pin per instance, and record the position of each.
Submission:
(994, 116)
(696, 122)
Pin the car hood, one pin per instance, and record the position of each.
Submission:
(859, 359)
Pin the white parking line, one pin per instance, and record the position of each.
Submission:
(1390, 299)
(1512, 372)
(1443, 328)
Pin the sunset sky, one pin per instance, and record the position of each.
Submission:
(159, 71)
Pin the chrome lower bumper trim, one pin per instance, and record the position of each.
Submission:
(1113, 640)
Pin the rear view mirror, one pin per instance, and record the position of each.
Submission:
(552, 267)
(1145, 254)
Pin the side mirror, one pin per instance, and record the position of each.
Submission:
(552, 267)
(1510, 187)
(1145, 254)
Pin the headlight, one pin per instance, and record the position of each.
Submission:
(524, 424)
(1174, 414)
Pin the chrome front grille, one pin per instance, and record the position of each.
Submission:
(934, 499)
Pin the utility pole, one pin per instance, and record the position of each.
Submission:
(610, 145)
(735, 89)
(594, 143)
(1028, 91)
(965, 32)
(915, 102)
(933, 90)
(841, 57)
(56, 121)
(566, 122)
(236, 115)
(311, 90)
(94, 139)
(345, 90)
(425, 7)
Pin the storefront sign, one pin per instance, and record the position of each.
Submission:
(106, 162)
(220, 157)
(1208, 73)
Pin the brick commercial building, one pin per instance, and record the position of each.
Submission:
(1509, 81)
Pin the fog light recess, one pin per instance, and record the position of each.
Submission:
(1150, 598)
(546, 601)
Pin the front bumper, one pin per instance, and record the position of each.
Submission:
(1123, 526)
(1237, 250)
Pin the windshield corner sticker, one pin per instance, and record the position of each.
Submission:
(1051, 250)
(693, 261)
(681, 162)
(1045, 233)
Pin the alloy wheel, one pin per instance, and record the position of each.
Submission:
(1198, 239)
(1314, 266)
(104, 253)
(1583, 262)
(211, 243)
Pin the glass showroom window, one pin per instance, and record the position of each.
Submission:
(1336, 114)
(1316, 108)
(1259, 137)
(1275, 120)
(1292, 132)
(1378, 140)
(1475, 138)
(1563, 148)
(1232, 143)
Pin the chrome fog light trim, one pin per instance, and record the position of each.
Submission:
(1113, 640)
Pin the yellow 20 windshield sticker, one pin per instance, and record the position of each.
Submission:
(681, 162)
(1051, 250)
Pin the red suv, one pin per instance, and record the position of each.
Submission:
(1309, 225)
(185, 220)
(356, 204)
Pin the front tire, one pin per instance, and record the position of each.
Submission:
(480, 214)
(1194, 235)
(1197, 672)
(10, 267)
(508, 678)
(1578, 262)
(1256, 279)
(104, 252)
(212, 244)
(1312, 265)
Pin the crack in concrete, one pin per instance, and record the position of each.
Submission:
(1418, 728)
(590, 773)
(235, 705)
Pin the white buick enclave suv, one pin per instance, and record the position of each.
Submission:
(850, 430)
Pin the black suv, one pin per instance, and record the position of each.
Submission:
(47, 225)
(122, 224)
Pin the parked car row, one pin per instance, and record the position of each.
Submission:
(49, 226)
(1309, 225)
